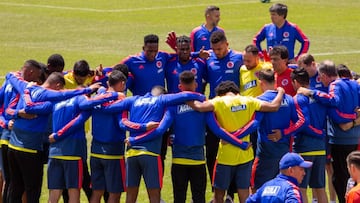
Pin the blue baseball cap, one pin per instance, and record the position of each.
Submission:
(293, 159)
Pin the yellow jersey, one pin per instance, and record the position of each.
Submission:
(70, 82)
(249, 81)
(233, 112)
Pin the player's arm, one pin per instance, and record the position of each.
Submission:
(89, 102)
(305, 43)
(54, 95)
(250, 126)
(17, 82)
(154, 133)
(127, 125)
(181, 97)
(329, 99)
(259, 37)
(274, 105)
(71, 127)
(223, 134)
(118, 106)
(11, 111)
(3, 122)
(36, 107)
(292, 195)
(303, 117)
(204, 106)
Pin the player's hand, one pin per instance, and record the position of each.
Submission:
(151, 125)
(280, 90)
(265, 55)
(99, 70)
(304, 91)
(275, 135)
(95, 86)
(249, 145)
(23, 114)
(346, 126)
(11, 124)
(204, 54)
(127, 142)
(171, 40)
(51, 138)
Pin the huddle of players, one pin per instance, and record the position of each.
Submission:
(149, 113)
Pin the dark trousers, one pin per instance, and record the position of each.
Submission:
(181, 175)
(341, 174)
(164, 146)
(85, 185)
(26, 172)
(6, 171)
(212, 145)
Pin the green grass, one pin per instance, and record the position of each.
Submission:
(104, 32)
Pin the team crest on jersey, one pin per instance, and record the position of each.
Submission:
(286, 34)
(318, 79)
(284, 82)
(158, 64)
(203, 38)
(230, 64)
(141, 66)
(194, 70)
(256, 74)
(174, 72)
(271, 34)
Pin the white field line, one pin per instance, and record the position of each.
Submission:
(119, 10)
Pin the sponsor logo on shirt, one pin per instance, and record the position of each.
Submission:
(145, 101)
(250, 84)
(270, 191)
(203, 38)
(183, 108)
(238, 108)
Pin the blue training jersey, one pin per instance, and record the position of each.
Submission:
(144, 74)
(69, 128)
(270, 121)
(200, 37)
(311, 139)
(286, 36)
(278, 190)
(227, 68)
(174, 68)
(108, 137)
(147, 108)
(343, 99)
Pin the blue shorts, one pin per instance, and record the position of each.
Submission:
(263, 170)
(64, 174)
(315, 176)
(108, 174)
(150, 167)
(224, 174)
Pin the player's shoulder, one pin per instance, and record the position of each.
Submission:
(133, 57)
(197, 29)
